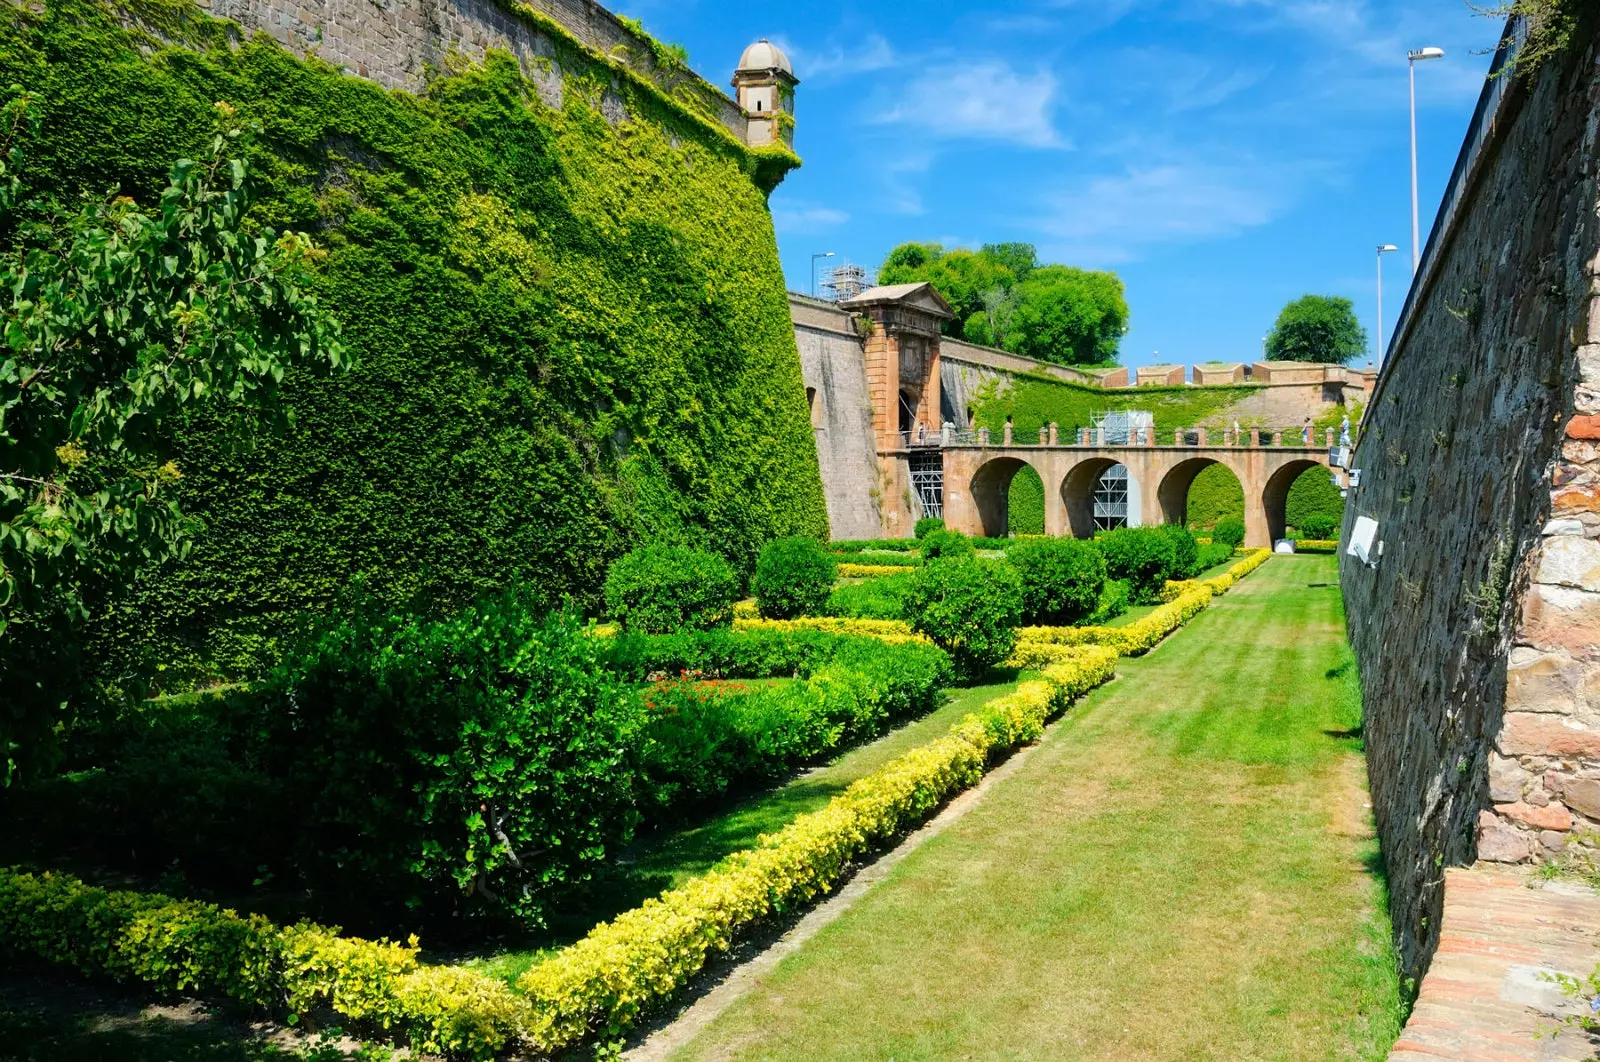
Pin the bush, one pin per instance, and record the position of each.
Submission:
(927, 525)
(483, 757)
(969, 608)
(1142, 556)
(183, 946)
(794, 577)
(1213, 554)
(1228, 533)
(880, 598)
(1186, 551)
(705, 739)
(746, 654)
(947, 544)
(1318, 526)
(624, 966)
(1113, 603)
(1062, 579)
(661, 589)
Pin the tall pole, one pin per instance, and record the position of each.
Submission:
(1383, 249)
(1412, 59)
(1379, 360)
(814, 258)
(1416, 227)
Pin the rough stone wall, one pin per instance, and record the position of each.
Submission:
(1476, 633)
(393, 42)
(835, 371)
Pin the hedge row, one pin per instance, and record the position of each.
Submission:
(180, 945)
(600, 984)
(1037, 646)
(764, 650)
(892, 631)
(871, 571)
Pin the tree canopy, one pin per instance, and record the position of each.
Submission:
(1319, 328)
(116, 319)
(1003, 297)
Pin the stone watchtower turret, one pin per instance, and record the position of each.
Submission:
(764, 84)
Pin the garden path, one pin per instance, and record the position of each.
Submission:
(1183, 868)
(1484, 996)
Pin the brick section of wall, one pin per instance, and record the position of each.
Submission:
(1476, 634)
(393, 42)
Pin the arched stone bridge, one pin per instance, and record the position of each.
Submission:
(977, 480)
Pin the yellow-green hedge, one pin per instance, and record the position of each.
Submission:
(871, 571)
(180, 945)
(599, 984)
(1324, 544)
(604, 981)
(892, 631)
(1037, 646)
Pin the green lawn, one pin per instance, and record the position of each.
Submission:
(664, 862)
(1184, 869)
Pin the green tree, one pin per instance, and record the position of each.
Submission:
(963, 278)
(1020, 258)
(117, 318)
(1068, 316)
(1317, 328)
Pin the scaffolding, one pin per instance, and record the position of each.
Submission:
(927, 481)
(843, 282)
(1123, 427)
(1111, 499)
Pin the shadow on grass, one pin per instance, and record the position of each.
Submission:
(49, 1016)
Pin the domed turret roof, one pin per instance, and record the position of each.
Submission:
(763, 55)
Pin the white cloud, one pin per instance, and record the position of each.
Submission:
(800, 217)
(1109, 218)
(836, 63)
(986, 100)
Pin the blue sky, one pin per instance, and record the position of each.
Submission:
(1222, 156)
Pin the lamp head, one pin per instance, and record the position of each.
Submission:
(1422, 54)
(1386, 248)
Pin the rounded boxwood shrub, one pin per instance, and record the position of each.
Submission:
(927, 525)
(662, 589)
(794, 577)
(1228, 533)
(947, 544)
(1318, 526)
(970, 608)
(1186, 551)
(1143, 557)
(1062, 579)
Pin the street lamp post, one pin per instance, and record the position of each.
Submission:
(1383, 249)
(1418, 56)
(814, 259)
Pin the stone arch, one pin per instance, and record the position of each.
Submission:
(1077, 494)
(991, 494)
(1173, 493)
(1275, 497)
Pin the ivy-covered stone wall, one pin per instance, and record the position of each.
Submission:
(571, 322)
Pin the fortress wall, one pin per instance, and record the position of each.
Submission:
(1478, 633)
(834, 367)
(392, 42)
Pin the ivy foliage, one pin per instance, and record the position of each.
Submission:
(1214, 496)
(1025, 503)
(573, 335)
(1036, 401)
(1314, 500)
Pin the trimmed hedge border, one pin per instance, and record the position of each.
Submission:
(888, 630)
(1037, 646)
(872, 571)
(601, 984)
(605, 981)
